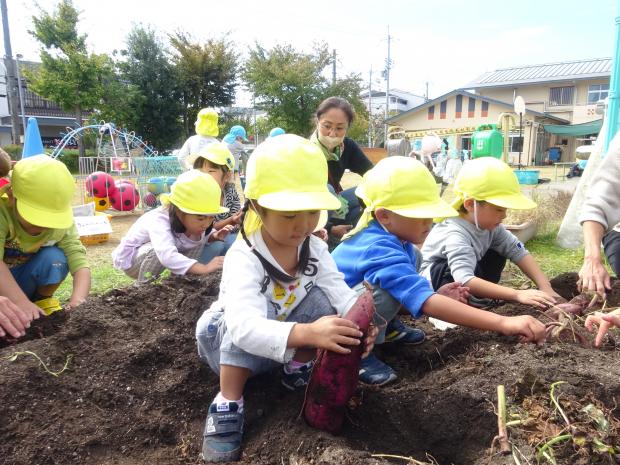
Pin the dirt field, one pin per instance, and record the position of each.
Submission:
(134, 392)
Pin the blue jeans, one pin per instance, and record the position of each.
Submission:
(215, 345)
(212, 250)
(47, 266)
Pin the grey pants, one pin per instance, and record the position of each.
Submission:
(215, 346)
(146, 265)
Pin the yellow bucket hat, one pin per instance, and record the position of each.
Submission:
(491, 180)
(206, 123)
(196, 193)
(43, 188)
(402, 185)
(217, 153)
(289, 173)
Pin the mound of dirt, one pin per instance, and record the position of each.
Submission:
(135, 392)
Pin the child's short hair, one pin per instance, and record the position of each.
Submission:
(5, 163)
(462, 208)
(175, 222)
(201, 162)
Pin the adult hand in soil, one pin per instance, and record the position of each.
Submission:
(14, 320)
(340, 230)
(332, 333)
(221, 234)
(369, 342)
(535, 297)
(604, 321)
(528, 328)
(455, 291)
(593, 277)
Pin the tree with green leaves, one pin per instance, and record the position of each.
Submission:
(69, 75)
(289, 85)
(154, 100)
(206, 74)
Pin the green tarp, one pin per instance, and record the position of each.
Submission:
(593, 127)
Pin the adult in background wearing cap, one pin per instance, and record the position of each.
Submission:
(334, 116)
(600, 219)
(39, 243)
(401, 200)
(235, 139)
(174, 236)
(472, 248)
(206, 133)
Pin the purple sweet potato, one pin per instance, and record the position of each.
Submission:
(334, 376)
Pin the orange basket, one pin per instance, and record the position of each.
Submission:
(95, 239)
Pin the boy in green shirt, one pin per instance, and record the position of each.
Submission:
(39, 243)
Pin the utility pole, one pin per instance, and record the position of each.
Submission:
(10, 74)
(334, 67)
(370, 108)
(426, 95)
(388, 65)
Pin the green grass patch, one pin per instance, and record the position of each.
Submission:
(104, 277)
(552, 258)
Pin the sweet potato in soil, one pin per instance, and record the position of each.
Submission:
(136, 393)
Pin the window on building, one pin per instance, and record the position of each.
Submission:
(484, 109)
(431, 112)
(561, 95)
(515, 143)
(465, 142)
(471, 107)
(402, 101)
(459, 106)
(597, 92)
(443, 106)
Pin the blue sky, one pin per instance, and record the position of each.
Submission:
(445, 42)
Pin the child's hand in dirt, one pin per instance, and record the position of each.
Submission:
(535, 297)
(15, 320)
(373, 331)
(604, 321)
(455, 291)
(332, 333)
(74, 303)
(528, 328)
(221, 234)
(215, 264)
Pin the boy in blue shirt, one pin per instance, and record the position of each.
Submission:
(401, 199)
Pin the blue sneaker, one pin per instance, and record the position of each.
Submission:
(396, 331)
(297, 379)
(223, 433)
(374, 371)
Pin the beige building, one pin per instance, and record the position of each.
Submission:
(560, 101)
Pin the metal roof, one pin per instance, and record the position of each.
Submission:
(568, 70)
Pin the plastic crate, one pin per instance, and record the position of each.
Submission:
(95, 239)
(527, 176)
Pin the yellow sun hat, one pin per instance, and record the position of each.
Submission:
(43, 188)
(491, 180)
(289, 173)
(402, 185)
(206, 123)
(216, 153)
(196, 193)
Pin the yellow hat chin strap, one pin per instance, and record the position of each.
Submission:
(252, 222)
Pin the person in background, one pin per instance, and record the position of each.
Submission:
(39, 243)
(206, 133)
(276, 132)
(174, 235)
(235, 139)
(334, 116)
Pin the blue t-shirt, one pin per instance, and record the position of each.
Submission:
(380, 258)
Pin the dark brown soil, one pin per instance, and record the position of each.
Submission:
(136, 393)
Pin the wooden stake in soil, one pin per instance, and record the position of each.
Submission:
(502, 437)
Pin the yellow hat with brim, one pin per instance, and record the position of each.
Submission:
(217, 153)
(206, 123)
(404, 186)
(196, 193)
(289, 173)
(43, 188)
(491, 180)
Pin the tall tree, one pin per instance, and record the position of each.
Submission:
(155, 96)
(206, 74)
(69, 75)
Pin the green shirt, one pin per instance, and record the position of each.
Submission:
(17, 246)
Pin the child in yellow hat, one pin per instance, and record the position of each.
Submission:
(39, 243)
(280, 290)
(401, 199)
(207, 130)
(472, 248)
(174, 236)
(217, 161)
